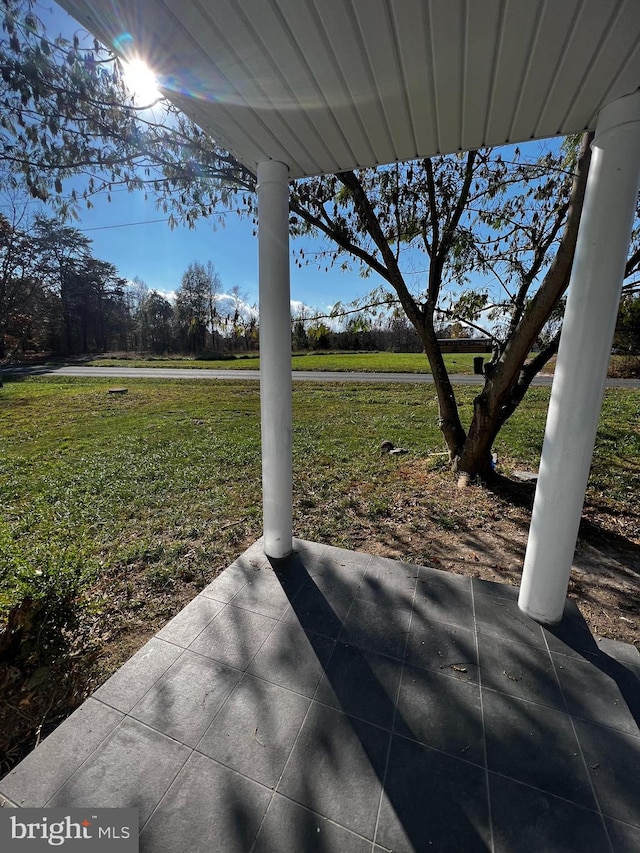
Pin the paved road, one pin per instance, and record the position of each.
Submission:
(298, 375)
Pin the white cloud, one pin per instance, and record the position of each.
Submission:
(301, 309)
(227, 304)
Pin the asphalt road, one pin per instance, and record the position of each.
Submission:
(298, 375)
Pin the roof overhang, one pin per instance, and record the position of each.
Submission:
(330, 85)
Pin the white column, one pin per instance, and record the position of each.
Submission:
(275, 356)
(583, 357)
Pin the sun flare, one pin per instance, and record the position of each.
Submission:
(140, 81)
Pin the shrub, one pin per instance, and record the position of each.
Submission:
(41, 594)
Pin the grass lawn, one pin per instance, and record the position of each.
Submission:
(164, 482)
(374, 362)
(117, 509)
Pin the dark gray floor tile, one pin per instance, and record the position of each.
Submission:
(336, 562)
(336, 768)
(298, 563)
(432, 577)
(445, 601)
(208, 808)
(503, 618)
(332, 588)
(626, 680)
(377, 628)
(293, 658)
(526, 820)
(604, 702)
(234, 637)
(184, 701)
(264, 594)
(361, 683)
(391, 565)
(572, 635)
(290, 827)
(254, 555)
(432, 801)
(535, 745)
(193, 619)
(624, 838)
(129, 683)
(613, 760)
(622, 652)
(307, 549)
(519, 670)
(494, 589)
(336, 579)
(133, 767)
(292, 574)
(313, 611)
(627, 677)
(255, 731)
(232, 580)
(341, 557)
(385, 595)
(389, 586)
(448, 649)
(441, 712)
(36, 779)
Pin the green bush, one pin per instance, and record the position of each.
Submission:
(41, 594)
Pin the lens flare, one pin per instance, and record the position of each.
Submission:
(140, 81)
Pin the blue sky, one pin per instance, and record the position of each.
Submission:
(159, 256)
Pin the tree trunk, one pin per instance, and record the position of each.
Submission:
(448, 415)
(475, 458)
(510, 377)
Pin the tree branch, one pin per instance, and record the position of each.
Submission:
(338, 238)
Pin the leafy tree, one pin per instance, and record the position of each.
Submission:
(300, 339)
(154, 321)
(515, 221)
(98, 305)
(53, 292)
(401, 334)
(627, 335)
(197, 312)
(358, 332)
(192, 308)
(214, 291)
(319, 336)
(17, 282)
(63, 253)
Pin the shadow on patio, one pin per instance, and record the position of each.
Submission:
(339, 702)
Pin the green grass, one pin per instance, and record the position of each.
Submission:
(119, 498)
(374, 362)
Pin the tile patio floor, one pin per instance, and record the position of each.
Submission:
(345, 703)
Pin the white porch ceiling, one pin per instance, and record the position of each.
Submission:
(328, 85)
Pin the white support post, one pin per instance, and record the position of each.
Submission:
(275, 357)
(583, 358)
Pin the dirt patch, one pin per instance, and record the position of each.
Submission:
(482, 533)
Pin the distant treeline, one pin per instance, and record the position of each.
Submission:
(57, 298)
